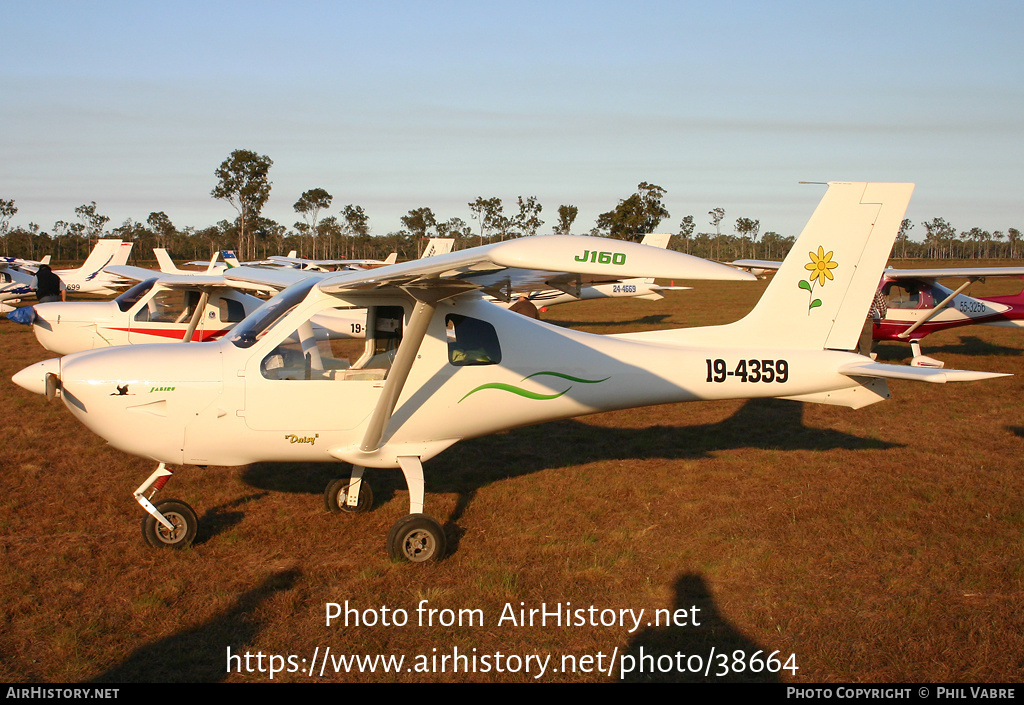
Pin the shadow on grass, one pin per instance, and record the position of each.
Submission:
(219, 519)
(770, 424)
(651, 320)
(972, 345)
(705, 642)
(968, 345)
(198, 655)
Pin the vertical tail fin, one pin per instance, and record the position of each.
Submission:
(656, 240)
(122, 252)
(821, 294)
(103, 253)
(436, 246)
(163, 259)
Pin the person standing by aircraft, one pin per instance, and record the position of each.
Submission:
(49, 287)
(879, 307)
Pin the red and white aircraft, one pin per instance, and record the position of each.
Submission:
(441, 364)
(180, 305)
(917, 305)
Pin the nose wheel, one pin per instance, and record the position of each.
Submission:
(168, 523)
(181, 516)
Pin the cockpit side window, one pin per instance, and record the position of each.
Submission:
(471, 341)
(231, 311)
(131, 297)
(903, 296)
(169, 306)
(323, 349)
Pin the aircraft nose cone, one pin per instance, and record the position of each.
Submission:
(33, 377)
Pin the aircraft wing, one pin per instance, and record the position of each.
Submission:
(278, 259)
(184, 281)
(756, 264)
(540, 261)
(955, 272)
(276, 278)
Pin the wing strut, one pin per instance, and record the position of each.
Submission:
(423, 312)
(197, 315)
(935, 311)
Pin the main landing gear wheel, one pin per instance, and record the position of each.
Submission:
(416, 538)
(178, 513)
(336, 494)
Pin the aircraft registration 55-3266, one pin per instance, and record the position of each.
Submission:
(441, 364)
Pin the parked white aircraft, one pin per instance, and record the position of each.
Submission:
(440, 364)
(91, 278)
(17, 276)
(14, 284)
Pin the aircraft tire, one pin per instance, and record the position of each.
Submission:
(337, 492)
(416, 538)
(178, 513)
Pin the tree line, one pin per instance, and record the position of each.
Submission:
(243, 181)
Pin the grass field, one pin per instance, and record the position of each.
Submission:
(879, 545)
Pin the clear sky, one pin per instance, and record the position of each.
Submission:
(399, 105)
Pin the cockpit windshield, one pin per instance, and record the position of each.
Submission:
(251, 329)
(131, 297)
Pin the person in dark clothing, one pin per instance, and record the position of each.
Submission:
(49, 286)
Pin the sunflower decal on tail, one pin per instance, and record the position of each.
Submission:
(820, 267)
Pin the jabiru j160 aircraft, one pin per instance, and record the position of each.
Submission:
(917, 305)
(441, 364)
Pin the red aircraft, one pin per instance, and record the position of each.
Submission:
(918, 305)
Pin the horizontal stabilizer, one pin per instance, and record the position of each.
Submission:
(868, 368)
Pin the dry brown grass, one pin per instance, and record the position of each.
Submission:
(876, 545)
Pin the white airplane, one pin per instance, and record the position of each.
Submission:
(441, 364)
(14, 284)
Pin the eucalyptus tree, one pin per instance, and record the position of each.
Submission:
(7, 211)
(686, 228)
(717, 215)
(244, 182)
(92, 223)
(162, 227)
(527, 221)
(635, 216)
(903, 235)
(566, 217)
(487, 212)
(747, 229)
(309, 206)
